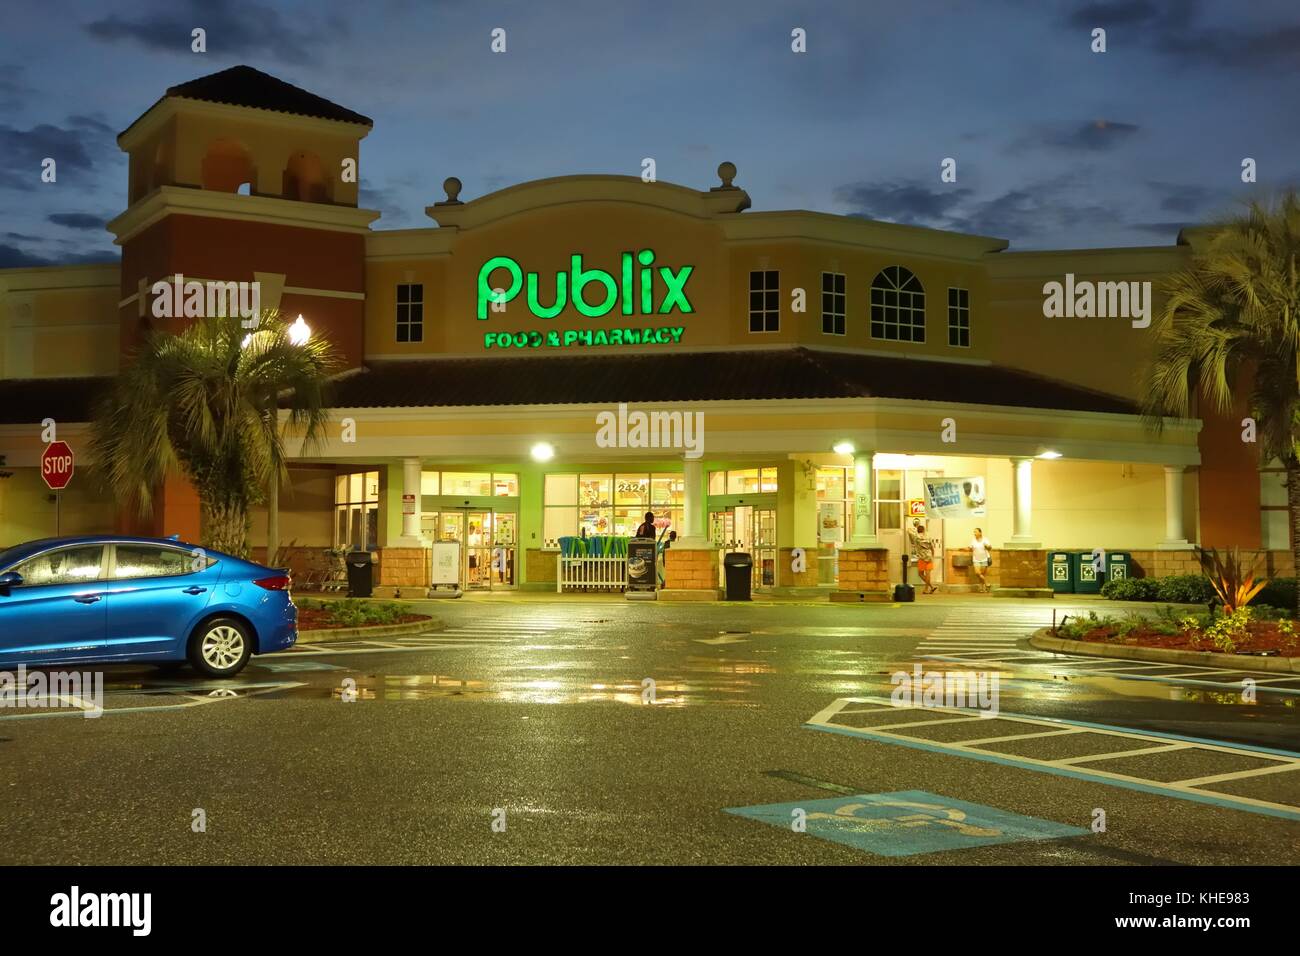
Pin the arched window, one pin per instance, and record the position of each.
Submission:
(897, 306)
(226, 166)
(305, 180)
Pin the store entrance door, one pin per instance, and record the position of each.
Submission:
(488, 542)
(752, 529)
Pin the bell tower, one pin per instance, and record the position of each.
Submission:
(241, 177)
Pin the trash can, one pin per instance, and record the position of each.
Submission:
(361, 574)
(1118, 565)
(738, 570)
(1060, 572)
(1086, 578)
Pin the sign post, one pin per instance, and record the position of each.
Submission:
(57, 464)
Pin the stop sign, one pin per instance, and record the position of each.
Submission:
(56, 465)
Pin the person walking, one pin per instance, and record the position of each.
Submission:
(923, 552)
(647, 528)
(981, 556)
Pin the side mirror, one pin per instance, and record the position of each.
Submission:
(10, 579)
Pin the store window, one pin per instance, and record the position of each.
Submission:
(613, 504)
(834, 518)
(356, 510)
(470, 484)
(897, 306)
(765, 301)
(959, 318)
(410, 313)
(833, 299)
(889, 499)
(743, 481)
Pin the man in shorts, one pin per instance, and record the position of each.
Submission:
(923, 552)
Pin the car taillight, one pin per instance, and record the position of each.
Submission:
(280, 582)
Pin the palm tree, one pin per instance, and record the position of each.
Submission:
(203, 403)
(1232, 319)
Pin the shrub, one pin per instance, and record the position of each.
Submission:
(1184, 589)
(1131, 589)
(1279, 593)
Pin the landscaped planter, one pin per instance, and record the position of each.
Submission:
(1045, 641)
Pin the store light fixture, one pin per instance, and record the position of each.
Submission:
(843, 448)
(543, 451)
(1050, 455)
(299, 332)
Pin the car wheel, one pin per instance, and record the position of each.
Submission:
(220, 647)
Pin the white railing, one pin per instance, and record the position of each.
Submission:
(591, 573)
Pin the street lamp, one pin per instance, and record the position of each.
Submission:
(299, 332)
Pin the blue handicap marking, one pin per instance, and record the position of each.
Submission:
(277, 667)
(907, 822)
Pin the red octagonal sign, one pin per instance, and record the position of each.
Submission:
(56, 465)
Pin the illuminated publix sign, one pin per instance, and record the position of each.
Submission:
(633, 292)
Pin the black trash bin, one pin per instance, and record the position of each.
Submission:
(738, 569)
(361, 574)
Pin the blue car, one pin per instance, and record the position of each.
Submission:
(115, 599)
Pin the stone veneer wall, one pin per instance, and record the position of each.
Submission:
(864, 569)
(690, 570)
(403, 568)
(1019, 569)
(539, 566)
(787, 578)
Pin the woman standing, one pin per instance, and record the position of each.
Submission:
(981, 555)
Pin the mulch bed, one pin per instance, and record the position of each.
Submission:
(1261, 636)
(314, 620)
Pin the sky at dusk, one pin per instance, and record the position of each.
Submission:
(1056, 146)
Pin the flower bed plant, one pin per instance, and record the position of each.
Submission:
(1251, 629)
(352, 612)
(1175, 589)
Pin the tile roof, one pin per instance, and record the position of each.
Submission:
(703, 376)
(245, 86)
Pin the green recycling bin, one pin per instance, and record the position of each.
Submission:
(1087, 580)
(1060, 572)
(1118, 565)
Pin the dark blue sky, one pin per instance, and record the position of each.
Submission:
(1056, 146)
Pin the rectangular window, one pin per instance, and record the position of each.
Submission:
(833, 298)
(410, 313)
(356, 506)
(959, 318)
(603, 504)
(764, 301)
(467, 483)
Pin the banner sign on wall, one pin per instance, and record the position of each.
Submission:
(830, 522)
(955, 497)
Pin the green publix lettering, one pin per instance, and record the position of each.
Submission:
(572, 283)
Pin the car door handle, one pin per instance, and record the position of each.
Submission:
(194, 589)
(87, 598)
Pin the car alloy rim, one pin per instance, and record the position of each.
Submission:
(223, 646)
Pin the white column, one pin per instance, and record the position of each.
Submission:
(692, 535)
(864, 501)
(410, 504)
(1022, 504)
(1175, 537)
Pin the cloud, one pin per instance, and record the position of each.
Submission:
(77, 220)
(902, 202)
(71, 146)
(1174, 29)
(11, 257)
(1093, 136)
(12, 88)
(389, 201)
(236, 29)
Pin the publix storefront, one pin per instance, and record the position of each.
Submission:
(557, 358)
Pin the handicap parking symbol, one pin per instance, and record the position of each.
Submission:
(907, 822)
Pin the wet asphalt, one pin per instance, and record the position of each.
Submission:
(618, 732)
